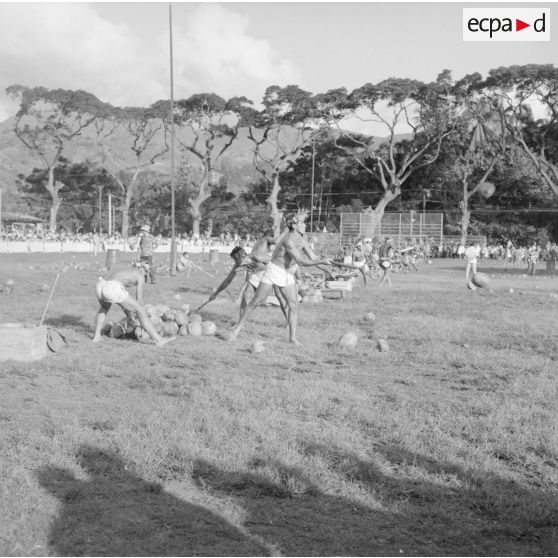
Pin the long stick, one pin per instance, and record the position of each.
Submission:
(198, 267)
(49, 299)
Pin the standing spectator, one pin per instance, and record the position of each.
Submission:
(147, 245)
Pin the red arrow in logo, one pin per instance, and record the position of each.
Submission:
(519, 25)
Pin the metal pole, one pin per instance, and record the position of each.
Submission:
(312, 193)
(173, 238)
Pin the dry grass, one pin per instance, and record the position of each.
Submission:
(446, 445)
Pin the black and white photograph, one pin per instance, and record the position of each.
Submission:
(278, 279)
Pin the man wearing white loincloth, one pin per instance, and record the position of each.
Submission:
(112, 289)
(280, 274)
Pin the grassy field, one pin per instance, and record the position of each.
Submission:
(445, 445)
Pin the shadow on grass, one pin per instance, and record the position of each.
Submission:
(117, 513)
(69, 321)
(490, 516)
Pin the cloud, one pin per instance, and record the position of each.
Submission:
(214, 52)
(72, 47)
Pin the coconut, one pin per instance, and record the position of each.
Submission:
(183, 330)
(105, 330)
(306, 298)
(173, 327)
(195, 328)
(382, 346)
(151, 309)
(180, 267)
(257, 347)
(156, 320)
(370, 317)
(185, 308)
(349, 340)
(195, 318)
(481, 280)
(168, 316)
(162, 308)
(208, 328)
(117, 331)
(181, 318)
(177, 297)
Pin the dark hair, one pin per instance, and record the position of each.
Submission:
(236, 250)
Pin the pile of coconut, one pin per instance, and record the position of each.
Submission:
(167, 321)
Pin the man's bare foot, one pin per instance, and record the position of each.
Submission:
(233, 334)
(96, 339)
(165, 340)
(296, 342)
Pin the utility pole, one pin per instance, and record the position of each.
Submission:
(312, 190)
(101, 210)
(110, 214)
(173, 238)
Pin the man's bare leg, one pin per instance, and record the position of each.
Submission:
(385, 278)
(131, 304)
(248, 293)
(291, 296)
(100, 320)
(262, 293)
(282, 302)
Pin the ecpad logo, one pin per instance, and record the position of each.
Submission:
(506, 24)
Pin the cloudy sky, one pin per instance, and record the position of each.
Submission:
(119, 51)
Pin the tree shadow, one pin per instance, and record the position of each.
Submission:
(291, 513)
(117, 513)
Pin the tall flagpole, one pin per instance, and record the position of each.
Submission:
(173, 238)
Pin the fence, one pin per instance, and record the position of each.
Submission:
(402, 227)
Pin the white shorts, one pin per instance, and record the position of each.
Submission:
(112, 292)
(256, 277)
(276, 275)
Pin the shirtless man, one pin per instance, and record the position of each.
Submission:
(472, 253)
(112, 290)
(279, 273)
(385, 254)
(255, 265)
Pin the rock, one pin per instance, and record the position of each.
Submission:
(349, 340)
(382, 346)
(257, 347)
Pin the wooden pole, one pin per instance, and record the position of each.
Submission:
(173, 237)
(312, 191)
(101, 210)
(110, 214)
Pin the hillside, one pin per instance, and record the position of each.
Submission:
(16, 159)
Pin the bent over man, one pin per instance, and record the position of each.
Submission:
(112, 290)
(280, 273)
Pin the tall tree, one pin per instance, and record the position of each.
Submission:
(278, 133)
(129, 141)
(416, 117)
(46, 122)
(519, 89)
(207, 127)
(81, 184)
